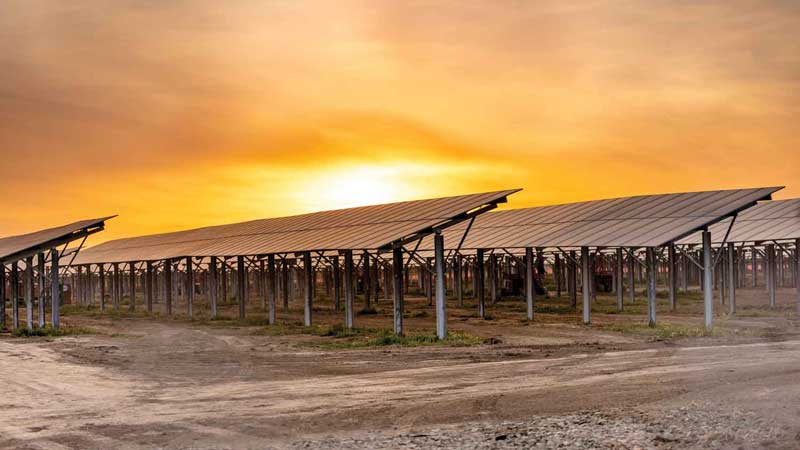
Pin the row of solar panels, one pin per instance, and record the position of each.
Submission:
(639, 221)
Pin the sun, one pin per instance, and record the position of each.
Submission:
(359, 186)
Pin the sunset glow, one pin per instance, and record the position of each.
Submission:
(358, 186)
(177, 115)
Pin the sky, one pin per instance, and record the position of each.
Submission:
(178, 114)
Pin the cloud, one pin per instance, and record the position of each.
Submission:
(151, 109)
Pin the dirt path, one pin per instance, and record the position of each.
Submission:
(188, 387)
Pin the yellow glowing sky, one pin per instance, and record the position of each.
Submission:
(187, 113)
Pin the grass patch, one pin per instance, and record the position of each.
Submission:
(761, 311)
(553, 309)
(344, 338)
(223, 322)
(124, 335)
(288, 329)
(340, 331)
(662, 332)
(297, 328)
(49, 331)
(384, 338)
(110, 312)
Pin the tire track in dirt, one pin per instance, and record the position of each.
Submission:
(47, 399)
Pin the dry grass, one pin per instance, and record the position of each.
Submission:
(663, 332)
(49, 331)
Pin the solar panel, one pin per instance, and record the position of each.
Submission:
(362, 228)
(13, 246)
(767, 221)
(640, 221)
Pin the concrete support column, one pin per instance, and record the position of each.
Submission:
(397, 269)
(722, 274)
(131, 286)
(241, 291)
(168, 286)
(586, 281)
(573, 276)
(41, 294)
(84, 281)
(570, 269)
(120, 284)
(101, 273)
(308, 297)
(376, 277)
(189, 287)
(337, 285)
(271, 290)
(349, 312)
(118, 276)
(75, 285)
(480, 277)
(213, 285)
(771, 278)
(223, 284)
(766, 263)
(158, 292)
(614, 275)
(652, 274)
(148, 286)
(458, 279)
(632, 277)
(684, 273)
(367, 281)
(2, 296)
(739, 260)
(441, 299)
(732, 277)
(493, 277)
(29, 292)
(285, 284)
(473, 279)
(388, 281)
(429, 280)
(55, 289)
(557, 269)
(116, 288)
(262, 285)
(708, 281)
(797, 275)
(619, 277)
(88, 286)
(15, 295)
(672, 276)
(530, 289)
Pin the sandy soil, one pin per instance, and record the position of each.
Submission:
(163, 383)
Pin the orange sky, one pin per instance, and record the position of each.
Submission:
(184, 113)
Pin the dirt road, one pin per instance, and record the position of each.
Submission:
(172, 385)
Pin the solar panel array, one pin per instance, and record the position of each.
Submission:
(17, 244)
(362, 228)
(640, 221)
(768, 221)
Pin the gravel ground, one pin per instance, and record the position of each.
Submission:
(691, 427)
